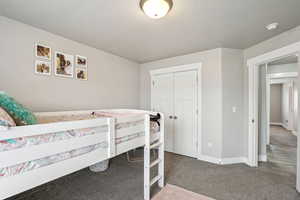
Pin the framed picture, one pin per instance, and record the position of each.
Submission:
(81, 74)
(64, 65)
(42, 67)
(81, 61)
(42, 51)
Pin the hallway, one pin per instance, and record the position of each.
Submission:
(282, 151)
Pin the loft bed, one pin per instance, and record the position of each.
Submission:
(65, 142)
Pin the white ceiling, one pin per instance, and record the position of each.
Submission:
(119, 26)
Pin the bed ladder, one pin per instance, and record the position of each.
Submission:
(149, 145)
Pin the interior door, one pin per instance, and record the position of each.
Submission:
(163, 101)
(185, 112)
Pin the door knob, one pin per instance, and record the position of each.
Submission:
(171, 117)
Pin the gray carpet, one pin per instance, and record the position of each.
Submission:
(282, 151)
(124, 181)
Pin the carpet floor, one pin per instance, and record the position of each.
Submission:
(124, 181)
(282, 151)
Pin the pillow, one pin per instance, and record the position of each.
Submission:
(5, 120)
(20, 115)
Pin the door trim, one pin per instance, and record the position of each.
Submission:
(181, 68)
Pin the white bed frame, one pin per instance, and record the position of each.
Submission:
(16, 184)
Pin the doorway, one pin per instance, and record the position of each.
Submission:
(277, 114)
(253, 101)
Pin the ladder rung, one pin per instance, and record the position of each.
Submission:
(155, 145)
(154, 180)
(155, 162)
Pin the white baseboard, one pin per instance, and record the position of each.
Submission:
(285, 126)
(279, 124)
(262, 158)
(276, 123)
(209, 159)
(222, 161)
(234, 160)
(247, 162)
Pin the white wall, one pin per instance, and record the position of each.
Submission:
(275, 103)
(232, 93)
(211, 94)
(293, 67)
(274, 43)
(222, 87)
(113, 81)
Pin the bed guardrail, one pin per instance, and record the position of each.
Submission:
(11, 185)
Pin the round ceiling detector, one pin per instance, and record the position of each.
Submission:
(156, 8)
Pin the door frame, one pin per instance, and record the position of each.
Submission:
(253, 68)
(181, 68)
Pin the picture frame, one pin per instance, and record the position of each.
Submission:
(81, 74)
(81, 61)
(42, 67)
(64, 64)
(43, 51)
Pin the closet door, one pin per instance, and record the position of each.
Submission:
(185, 108)
(162, 101)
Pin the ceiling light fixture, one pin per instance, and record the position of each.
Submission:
(272, 26)
(156, 8)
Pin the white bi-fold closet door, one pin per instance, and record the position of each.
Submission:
(176, 95)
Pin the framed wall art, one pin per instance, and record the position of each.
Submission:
(64, 65)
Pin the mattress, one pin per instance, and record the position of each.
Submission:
(15, 143)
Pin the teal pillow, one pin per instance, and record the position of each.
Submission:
(20, 115)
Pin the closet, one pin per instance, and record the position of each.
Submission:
(176, 93)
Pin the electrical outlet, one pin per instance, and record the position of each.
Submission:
(209, 144)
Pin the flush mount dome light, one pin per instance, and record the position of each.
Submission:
(272, 26)
(156, 8)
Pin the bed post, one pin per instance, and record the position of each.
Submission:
(147, 158)
(111, 137)
(161, 152)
